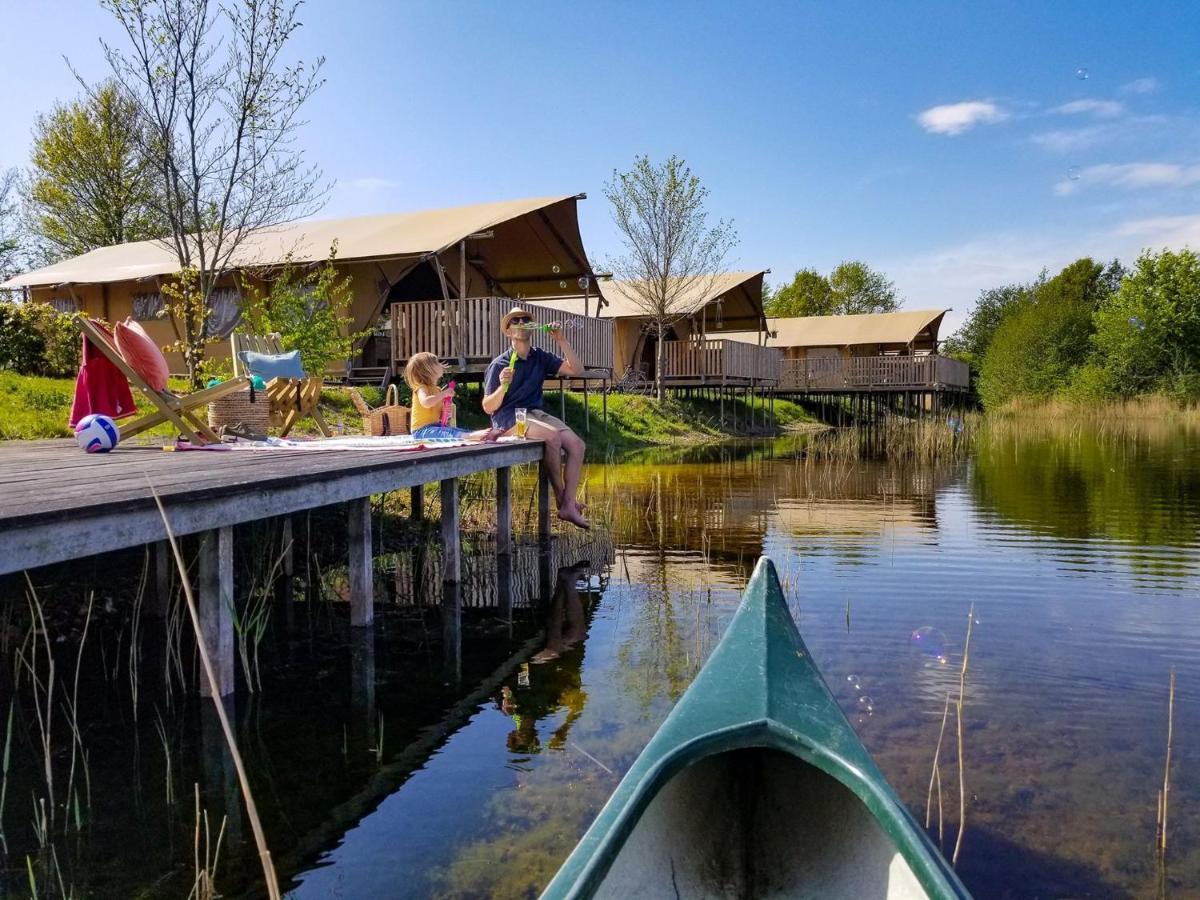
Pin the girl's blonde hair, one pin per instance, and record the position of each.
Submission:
(421, 370)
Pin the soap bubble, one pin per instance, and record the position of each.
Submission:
(931, 643)
(866, 705)
(854, 682)
(562, 285)
(1137, 323)
(555, 269)
(1074, 172)
(584, 282)
(1081, 73)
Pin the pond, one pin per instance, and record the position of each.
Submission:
(463, 748)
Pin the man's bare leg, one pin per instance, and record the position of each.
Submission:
(552, 454)
(573, 448)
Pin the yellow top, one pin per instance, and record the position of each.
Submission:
(427, 415)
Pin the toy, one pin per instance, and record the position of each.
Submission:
(97, 433)
(448, 404)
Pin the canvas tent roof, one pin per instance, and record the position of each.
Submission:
(531, 237)
(845, 331)
(740, 294)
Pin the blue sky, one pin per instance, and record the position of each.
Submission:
(953, 147)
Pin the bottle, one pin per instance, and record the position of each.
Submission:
(448, 404)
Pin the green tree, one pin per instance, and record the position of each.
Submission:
(808, 294)
(1148, 332)
(857, 288)
(308, 309)
(852, 287)
(90, 183)
(974, 336)
(1044, 337)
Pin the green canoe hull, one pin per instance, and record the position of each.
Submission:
(756, 785)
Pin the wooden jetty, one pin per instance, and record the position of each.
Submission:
(59, 504)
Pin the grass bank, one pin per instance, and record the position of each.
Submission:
(33, 407)
(1158, 407)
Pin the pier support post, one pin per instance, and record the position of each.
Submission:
(452, 629)
(504, 511)
(604, 401)
(543, 501)
(164, 563)
(216, 606)
(362, 584)
(287, 567)
(417, 492)
(451, 542)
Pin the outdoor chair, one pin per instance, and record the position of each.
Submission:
(291, 399)
(185, 412)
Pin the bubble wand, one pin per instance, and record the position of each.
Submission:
(448, 404)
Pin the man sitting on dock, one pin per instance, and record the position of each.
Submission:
(514, 381)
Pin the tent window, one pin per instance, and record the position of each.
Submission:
(147, 306)
(66, 305)
(225, 305)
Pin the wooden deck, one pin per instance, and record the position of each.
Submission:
(872, 374)
(58, 503)
(719, 361)
(467, 333)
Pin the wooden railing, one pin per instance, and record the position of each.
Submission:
(469, 330)
(713, 361)
(872, 372)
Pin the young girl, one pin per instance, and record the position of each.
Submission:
(433, 417)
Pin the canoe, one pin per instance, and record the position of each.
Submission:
(756, 786)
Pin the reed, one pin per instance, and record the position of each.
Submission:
(206, 855)
(272, 883)
(962, 783)
(8, 733)
(164, 740)
(935, 777)
(1164, 794)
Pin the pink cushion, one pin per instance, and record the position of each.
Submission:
(142, 354)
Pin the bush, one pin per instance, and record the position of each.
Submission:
(1089, 384)
(1148, 332)
(36, 339)
(1044, 337)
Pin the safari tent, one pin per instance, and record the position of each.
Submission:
(515, 248)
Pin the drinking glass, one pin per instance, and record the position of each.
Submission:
(522, 423)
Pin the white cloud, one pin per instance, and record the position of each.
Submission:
(953, 276)
(1141, 86)
(370, 183)
(1164, 231)
(955, 118)
(1071, 140)
(1104, 109)
(1131, 176)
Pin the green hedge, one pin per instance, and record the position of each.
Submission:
(36, 339)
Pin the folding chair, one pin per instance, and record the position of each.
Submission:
(180, 411)
(291, 399)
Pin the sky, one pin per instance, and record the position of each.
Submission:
(952, 146)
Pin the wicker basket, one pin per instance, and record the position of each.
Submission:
(249, 407)
(391, 418)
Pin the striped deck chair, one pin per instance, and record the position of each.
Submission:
(186, 412)
(291, 399)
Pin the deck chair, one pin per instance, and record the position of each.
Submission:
(291, 399)
(185, 412)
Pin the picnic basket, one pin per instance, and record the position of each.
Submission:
(245, 407)
(391, 418)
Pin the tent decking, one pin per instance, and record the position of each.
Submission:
(711, 361)
(466, 333)
(872, 374)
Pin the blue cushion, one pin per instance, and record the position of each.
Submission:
(268, 366)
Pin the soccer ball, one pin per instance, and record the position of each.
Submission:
(97, 433)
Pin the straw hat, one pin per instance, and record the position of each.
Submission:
(508, 316)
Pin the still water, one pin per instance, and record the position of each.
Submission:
(463, 749)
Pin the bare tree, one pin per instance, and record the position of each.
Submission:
(672, 255)
(10, 233)
(221, 106)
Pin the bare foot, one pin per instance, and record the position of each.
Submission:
(493, 435)
(560, 499)
(574, 516)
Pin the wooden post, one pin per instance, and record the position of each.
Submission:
(216, 606)
(362, 582)
(452, 628)
(451, 543)
(587, 410)
(562, 401)
(504, 511)
(605, 405)
(164, 564)
(287, 568)
(417, 492)
(543, 501)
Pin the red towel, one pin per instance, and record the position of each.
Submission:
(100, 387)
